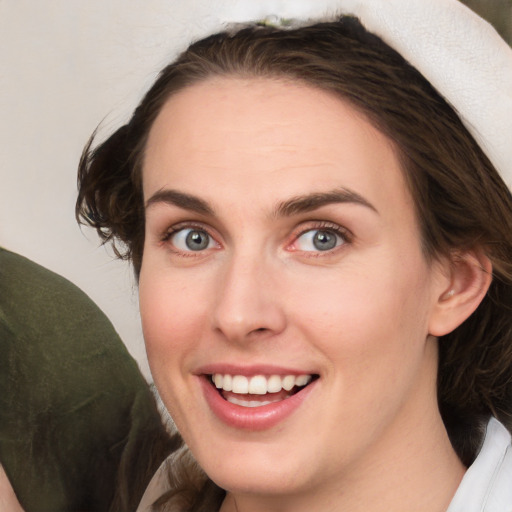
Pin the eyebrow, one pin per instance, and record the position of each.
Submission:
(309, 202)
(295, 205)
(181, 200)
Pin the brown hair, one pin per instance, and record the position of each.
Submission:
(460, 199)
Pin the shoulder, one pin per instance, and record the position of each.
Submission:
(35, 301)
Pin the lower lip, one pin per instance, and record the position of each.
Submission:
(252, 418)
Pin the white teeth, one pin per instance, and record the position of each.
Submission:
(240, 384)
(274, 384)
(258, 384)
(227, 385)
(288, 382)
(218, 379)
(247, 403)
(302, 380)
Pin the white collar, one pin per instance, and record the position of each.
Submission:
(157, 487)
(487, 484)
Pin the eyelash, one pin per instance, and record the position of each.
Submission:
(344, 234)
(169, 233)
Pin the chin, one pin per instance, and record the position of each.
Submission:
(258, 468)
(257, 481)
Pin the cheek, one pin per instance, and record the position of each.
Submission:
(171, 316)
(172, 321)
(372, 328)
(368, 315)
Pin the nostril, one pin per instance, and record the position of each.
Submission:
(258, 332)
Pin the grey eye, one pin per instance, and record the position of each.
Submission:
(319, 240)
(197, 240)
(190, 239)
(324, 240)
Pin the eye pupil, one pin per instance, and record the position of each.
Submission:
(197, 240)
(324, 241)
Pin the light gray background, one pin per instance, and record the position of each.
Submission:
(66, 65)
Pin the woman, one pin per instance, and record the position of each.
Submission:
(324, 255)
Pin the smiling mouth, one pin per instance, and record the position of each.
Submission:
(259, 390)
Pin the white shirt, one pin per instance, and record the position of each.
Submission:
(487, 484)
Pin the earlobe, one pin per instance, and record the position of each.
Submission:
(470, 277)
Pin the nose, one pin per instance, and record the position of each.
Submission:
(247, 304)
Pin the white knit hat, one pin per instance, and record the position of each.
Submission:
(458, 52)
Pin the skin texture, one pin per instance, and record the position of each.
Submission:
(8, 500)
(361, 316)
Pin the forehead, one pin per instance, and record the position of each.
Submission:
(229, 135)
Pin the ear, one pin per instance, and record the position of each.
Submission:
(469, 277)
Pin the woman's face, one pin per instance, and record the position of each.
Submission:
(282, 249)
